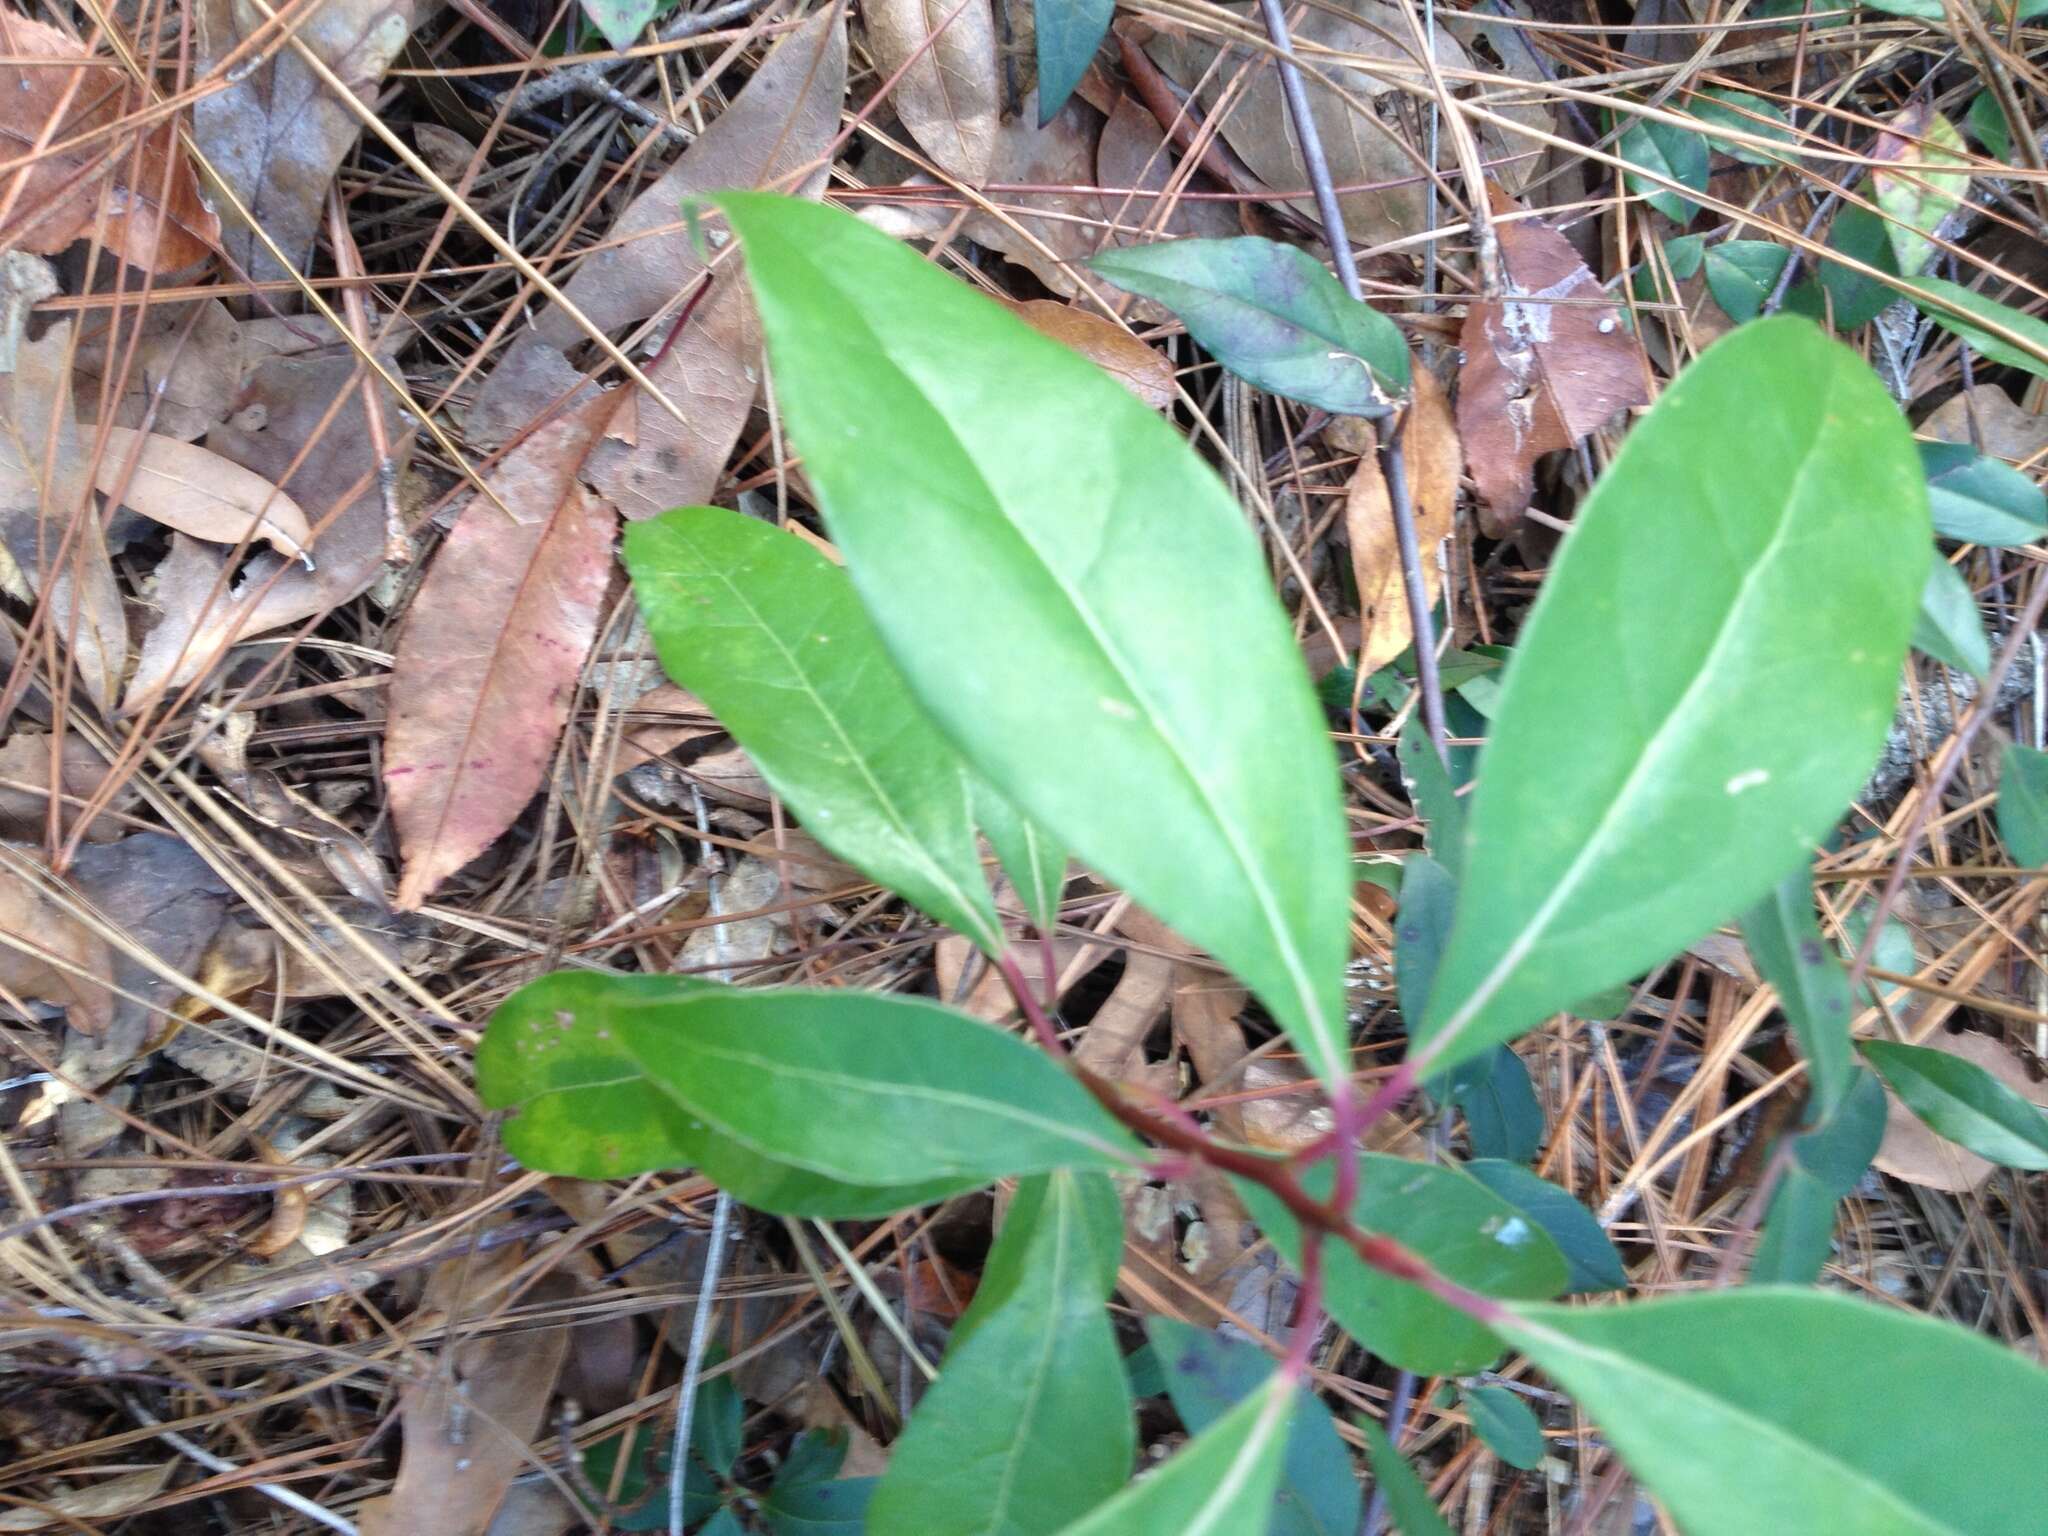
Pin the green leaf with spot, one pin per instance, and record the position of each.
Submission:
(1591, 1262)
(1667, 153)
(1960, 1100)
(1784, 938)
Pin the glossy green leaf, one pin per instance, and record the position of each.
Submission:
(1029, 1424)
(1783, 935)
(1464, 1230)
(2026, 345)
(837, 1508)
(2023, 805)
(1742, 273)
(857, 1088)
(1804, 1413)
(1072, 594)
(1502, 1116)
(814, 1457)
(1207, 1375)
(1591, 1262)
(1987, 122)
(1509, 1427)
(1685, 254)
(1678, 615)
(1854, 299)
(769, 633)
(1949, 628)
(1740, 112)
(1669, 153)
(1960, 1100)
(1434, 797)
(1421, 926)
(1036, 865)
(1069, 32)
(621, 21)
(1221, 1483)
(1273, 315)
(1918, 189)
(1976, 499)
(1825, 1163)
(1409, 1505)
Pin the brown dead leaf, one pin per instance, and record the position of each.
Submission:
(2010, 431)
(50, 540)
(277, 135)
(187, 364)
(276, 415)
(1132, 155)
(949, 97)
(783, 119)
(1912, 1152)
(447, 151)
(1050, 234)
(1145, 371)
(25, 774)
(1433, 462)
(1539, 374)
(1113, 1045)
(155, 218)
(195, 491)
(40, 944)
(106, 1500)
(492, 646)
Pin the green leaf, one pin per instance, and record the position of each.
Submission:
(1036, 865)
(2023, 804)
(1743, 113)
(613, 1074)
(769, 633)
(1414, 1513)
(1931, 176)
(1803, 1413)
(2027, 346)
(1976, 499)
(1207, 1375)
(1824, 1165)
(724, 1523)
(1591, 1262)
(1464, 1230)
(1069, 32)
(1857, 300)
(819, 1509)
(1434, 797)
(716, 1426)
(621, 21)
(1685, 254)
(1950, 628)
(1783, 935)
(815, 1457)
(1742, 273)
(1072, 594)
(1960, 1100)
(1421, 925)
(641, 1503)
(1273, 315)
(1221, 1482)
(1650, 771)
(1987, 121)
(1672, 153)
(1029, 1423)
(1500, 1418)
(1502, 1117)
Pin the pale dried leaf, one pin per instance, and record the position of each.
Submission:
(195, 491)
(25, 773)
(187, 365)
(724, 949)
(40, 944)
(1132, 155)
(2010, 431)
(108, 1499)
(1050, 234)
(1433, 463)
(1912, 1152)
(1145, 371)
(949, 96)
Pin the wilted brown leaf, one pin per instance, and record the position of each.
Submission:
(1132, 155)
(2009, 430)
(155, 218)
(195, 491)
(1145, 371)
(783, 119)
(1912, 1152)
(187, 364)
(493, 644)
(1545, 365)
(25, 773)
(106, 1500)
(43, 950)
(1433, 463)
(1063, 223)
(949, 97)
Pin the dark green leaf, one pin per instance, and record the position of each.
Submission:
(2023, 804)
(724, 1523)
(1803, 1413)
(1824, 1165)
(1435, 800)
(1987, 122)
(614, 1075)
(1072, 594)
(819, 1509)
(1421, 925)
(816, 1457)
(1413, 1512)
(1591, 1262)
(641, 1503)
(1668, 153)
(1950, 628)
(1742, 273)
(1685, 254)
(1960, 1100)
(1784, 939)
(1593, 855)
(2026, 345)
(1029, 1424)
(715, 1427)
(1207, 1375)
(1069, 32)
(769, 633)
(621, 21)
(1507, 1425)
(1741, 112)
(1502, 1117)
(1976, 499)
(1462, 1228)
(1219, 1483)
(1855, 299)
(1274, 316)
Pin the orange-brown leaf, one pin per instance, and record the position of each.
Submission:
(1145, 371)
(1433, 462)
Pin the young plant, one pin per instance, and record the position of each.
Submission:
(1054, 623)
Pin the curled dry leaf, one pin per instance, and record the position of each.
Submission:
(1545, 365)
(1145, 371)
(47, 954)
(491, 650)
(155, 218)
(187, 365)
(1912, 1152)
(277, 135)
(25, 775)
(186, 487)
(949, 96)
(1433, 463)
(784, 119)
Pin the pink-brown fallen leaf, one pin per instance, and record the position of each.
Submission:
(196, 491)
(1546, 364)
(1145, 371)
(186, 365)
(488, 661)
(950, 94)
(1433, 462)
(155, 217)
